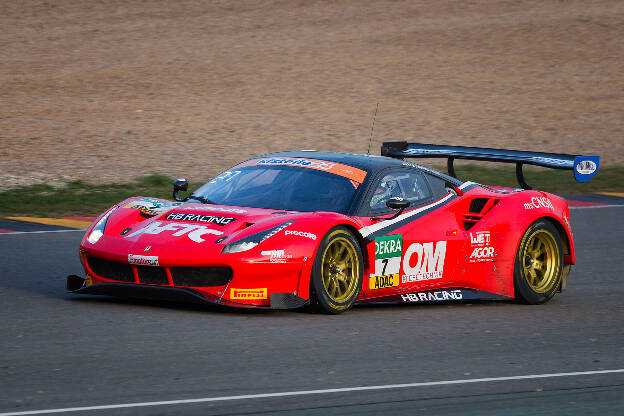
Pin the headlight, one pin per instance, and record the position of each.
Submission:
(253, 240)
(98, 231)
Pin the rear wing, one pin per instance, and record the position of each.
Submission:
(584, 167)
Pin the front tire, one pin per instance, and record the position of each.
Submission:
(539, 263)
(337, 272)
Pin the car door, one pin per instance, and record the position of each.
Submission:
(418, 250)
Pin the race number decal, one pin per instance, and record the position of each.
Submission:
(388, 251)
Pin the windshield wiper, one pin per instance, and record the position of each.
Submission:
(201, 199)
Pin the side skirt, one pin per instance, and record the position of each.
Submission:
(454, 294)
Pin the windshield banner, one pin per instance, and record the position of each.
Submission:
(346, 171)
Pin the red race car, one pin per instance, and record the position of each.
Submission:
(329, 230)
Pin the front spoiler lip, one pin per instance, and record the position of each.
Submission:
(129, 290)
(76, 284)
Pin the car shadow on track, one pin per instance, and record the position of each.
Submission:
(190, 307)
(243, 311)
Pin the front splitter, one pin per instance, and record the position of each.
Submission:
(76, 284)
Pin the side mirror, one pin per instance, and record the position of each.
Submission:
(397, 203)
(179, 185)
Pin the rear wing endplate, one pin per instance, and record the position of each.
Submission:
(584, 167)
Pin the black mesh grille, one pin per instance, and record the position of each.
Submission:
(111, 269)
(201, 276)
(152, 275)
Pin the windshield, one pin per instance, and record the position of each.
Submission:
(287, 188)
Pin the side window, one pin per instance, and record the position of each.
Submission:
(415, 188)
(438, 186)
(409, 185)
(387, 188)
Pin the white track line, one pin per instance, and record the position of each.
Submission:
(308, 392)
(597, 206)
(42, 232)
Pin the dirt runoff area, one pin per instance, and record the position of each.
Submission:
(110, 90)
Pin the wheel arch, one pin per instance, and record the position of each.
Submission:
(360, 240)
(305, 274)
(565, 238)
(315, 298)
(568, 250)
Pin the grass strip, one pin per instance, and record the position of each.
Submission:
(556, 181)
(79, 198)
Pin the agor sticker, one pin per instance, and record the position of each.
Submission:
(388, 250)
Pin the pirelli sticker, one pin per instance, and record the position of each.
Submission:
(248, 294)
(388, 251)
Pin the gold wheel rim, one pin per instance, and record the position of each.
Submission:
(541, 261)
(340, 270)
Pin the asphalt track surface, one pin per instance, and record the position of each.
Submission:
(64, 351)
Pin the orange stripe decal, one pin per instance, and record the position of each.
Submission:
(346, 171)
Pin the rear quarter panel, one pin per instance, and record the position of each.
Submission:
(504, 225)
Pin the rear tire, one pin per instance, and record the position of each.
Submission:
(337, 272)
(538, 267)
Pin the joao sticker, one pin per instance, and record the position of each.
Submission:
(143, 260)
(388, 250)
(424, 261)
(244, 294)
(180, 216)
(192, 231)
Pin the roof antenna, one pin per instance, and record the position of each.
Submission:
(372, 128)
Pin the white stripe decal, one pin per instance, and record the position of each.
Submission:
(309, 392)
(365, 231)
(467, 184)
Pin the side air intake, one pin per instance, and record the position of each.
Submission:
(477, 210)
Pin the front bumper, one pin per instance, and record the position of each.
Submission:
(77, 284)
